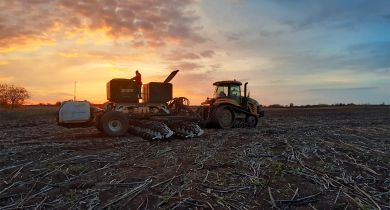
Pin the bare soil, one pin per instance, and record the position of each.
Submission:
(323, 158)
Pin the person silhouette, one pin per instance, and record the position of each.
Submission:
(138, 80)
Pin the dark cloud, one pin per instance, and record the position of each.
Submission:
(342, 89)
(187, 66)
(370, 56)
(215, 66)
(178, 55)
(207, 53)
(386, 16)
(331, 13)
(363, 57)
(233, 36)
(278, 81)
(270, 34)
(152, 21)
(372, 48)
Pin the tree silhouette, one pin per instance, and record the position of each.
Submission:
(13, 95)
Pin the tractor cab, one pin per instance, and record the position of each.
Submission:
(228, 89)
(230, 107)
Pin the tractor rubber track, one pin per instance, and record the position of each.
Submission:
(241, 123)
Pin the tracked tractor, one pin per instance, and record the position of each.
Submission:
(229, 107)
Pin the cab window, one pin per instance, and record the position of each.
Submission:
(221, 91)
(235, 91)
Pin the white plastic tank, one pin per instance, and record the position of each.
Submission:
(74, 112)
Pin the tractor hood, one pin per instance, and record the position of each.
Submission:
(253, 101)
(254, 107)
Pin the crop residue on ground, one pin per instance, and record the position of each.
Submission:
(314, 158)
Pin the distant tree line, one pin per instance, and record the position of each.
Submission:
(291, 105)
(58, 103)
(11, 95)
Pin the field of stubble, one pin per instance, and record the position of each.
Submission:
(325, 158)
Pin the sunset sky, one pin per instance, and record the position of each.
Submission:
(301, 52)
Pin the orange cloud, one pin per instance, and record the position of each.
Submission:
(93, 42)
(24, 44)
(154, 22)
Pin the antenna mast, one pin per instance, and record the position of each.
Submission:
(74, 91)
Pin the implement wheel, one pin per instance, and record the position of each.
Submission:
(224, 117)
(114, 123)
(251, 121)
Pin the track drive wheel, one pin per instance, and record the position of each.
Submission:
(224, 117)
(251, 121)
(114, 123)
